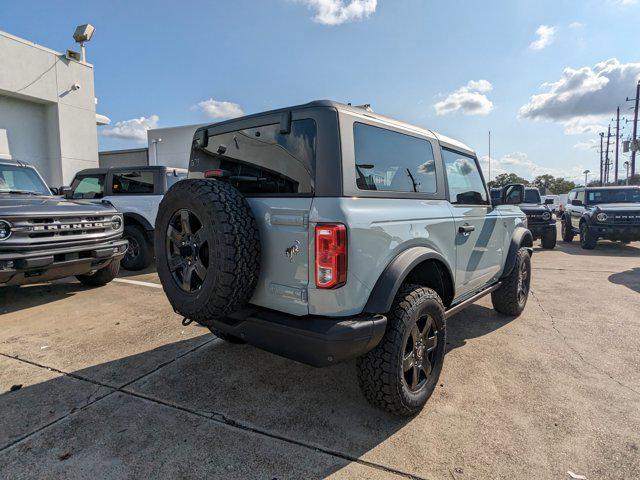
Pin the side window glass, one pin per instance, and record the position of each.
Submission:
(463, 178)
(133, 182)
(580, 196)
(88, 187)
(392, 161)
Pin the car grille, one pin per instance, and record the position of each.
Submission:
(623, 218)
(58, 230)
(534, 218)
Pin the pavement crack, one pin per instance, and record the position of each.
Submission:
(574, 350)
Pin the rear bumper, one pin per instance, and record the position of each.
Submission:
(316, 341)
(538, 230)
(19, 268)
(616, 232)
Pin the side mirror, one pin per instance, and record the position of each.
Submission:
(54, 191)
(66, 192)
(548, 201)
(513, 194)
(576, 203)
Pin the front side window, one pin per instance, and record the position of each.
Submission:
(16, 179)
(263, 160)
(392, 161)
(133, 182)
(614, 195)
(463, 178)
(88, 187)
(532, 195)
(580, 196)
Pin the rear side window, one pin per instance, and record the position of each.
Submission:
(261, 160)
(88, 187)
(463, 178)
(133, 182)
(391, 161)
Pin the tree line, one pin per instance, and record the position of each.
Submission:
(547, 184)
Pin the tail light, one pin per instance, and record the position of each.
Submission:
(331, 255)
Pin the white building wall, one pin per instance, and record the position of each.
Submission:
(43, 119)
(175, 147)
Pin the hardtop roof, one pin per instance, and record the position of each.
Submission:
(447, 141)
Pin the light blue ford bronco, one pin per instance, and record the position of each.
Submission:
(325, 232)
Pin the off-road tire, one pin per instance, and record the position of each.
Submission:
(567, 230)
(226, 337)
(144, 258)
(588, 240)
(231, 232)
(102, 276)
(508, 299)
(380, 371)
(548, 240)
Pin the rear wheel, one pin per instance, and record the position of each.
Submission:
(548, 240)
(511, 297)
(102, 276)
(139, 252)
(567, 230)
(588, 240)
(401, 372)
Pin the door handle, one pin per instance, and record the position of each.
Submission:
(466, 229)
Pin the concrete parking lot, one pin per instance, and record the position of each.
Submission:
(113, 386)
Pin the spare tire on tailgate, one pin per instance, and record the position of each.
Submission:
(207, 249)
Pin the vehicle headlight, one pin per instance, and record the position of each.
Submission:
(546, 216)
(116, 222)
(601, 217)
(5, 230)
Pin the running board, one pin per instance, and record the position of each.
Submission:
(462, 305)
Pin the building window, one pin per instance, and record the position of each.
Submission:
(133, 182)
(391, 161)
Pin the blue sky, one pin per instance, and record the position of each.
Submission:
(535, 73)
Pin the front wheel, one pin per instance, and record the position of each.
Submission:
(548, 240)
(567, 230)
(401, 372)
(588, 240)
(511, 297)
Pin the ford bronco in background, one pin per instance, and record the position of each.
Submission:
(541, 220)
(610, 213)
(325, 232)
(43, 237)
(136, 193)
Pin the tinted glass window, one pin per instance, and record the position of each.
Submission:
(463, 178)
(391, 161)
(21, 179)
(132, 182)
(532, 196)
(580, 196)
(617, 195)
(88, 187)
(263, 160)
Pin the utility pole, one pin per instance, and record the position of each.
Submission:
(601, 160)
(615, 173)
(489, 179)
(634, 135)
(606, 162)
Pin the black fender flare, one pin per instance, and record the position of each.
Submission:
(389, 282)
(521, 236)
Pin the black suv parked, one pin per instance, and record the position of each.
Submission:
(611, 213)
(541, 220)
(43, 237)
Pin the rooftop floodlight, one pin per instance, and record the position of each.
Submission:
(83, 34)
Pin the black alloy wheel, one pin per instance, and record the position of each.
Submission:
(524, 283)
(419, 353)
(187, 250)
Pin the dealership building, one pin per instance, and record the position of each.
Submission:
(47, 109)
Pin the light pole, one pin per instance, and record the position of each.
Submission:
(626, 165)
(586, 174)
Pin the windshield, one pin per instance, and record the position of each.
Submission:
(614, 195)
(24, 180)
(532, 196)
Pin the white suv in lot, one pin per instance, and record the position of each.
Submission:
(136, 192)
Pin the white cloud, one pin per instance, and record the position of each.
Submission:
(576, 25)
(134, 129)
(588, 145)
(471, 99)
(545, 35)
(219, 109)
(335, 12)
(583, 99)
(520, 164)
(626, 3)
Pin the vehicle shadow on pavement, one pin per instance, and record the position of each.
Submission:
(628, 278)
(13, 299)
(603, 249)
(473, 322)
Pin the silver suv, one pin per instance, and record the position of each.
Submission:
(325, 232)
